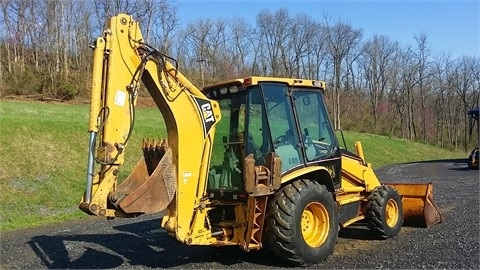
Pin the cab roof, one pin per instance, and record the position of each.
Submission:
(255, 80)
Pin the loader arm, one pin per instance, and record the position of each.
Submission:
(174, 169)
(418, 206)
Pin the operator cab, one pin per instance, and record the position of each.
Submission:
(262, 115)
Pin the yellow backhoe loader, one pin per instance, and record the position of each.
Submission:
(252, 162)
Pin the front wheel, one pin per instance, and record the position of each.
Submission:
(302, 223)
(384, 212)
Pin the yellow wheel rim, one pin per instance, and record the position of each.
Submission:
(391, 213)
(315, 224)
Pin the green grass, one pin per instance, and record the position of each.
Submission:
(381, 150)
(43, 157)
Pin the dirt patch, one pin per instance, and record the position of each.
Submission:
(145, 102)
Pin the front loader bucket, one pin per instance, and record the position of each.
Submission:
(148, 193)
(419, 209)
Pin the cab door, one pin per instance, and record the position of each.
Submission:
(281, 123)
(315, 130)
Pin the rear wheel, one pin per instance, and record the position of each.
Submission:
(384, 212)
(302, 223)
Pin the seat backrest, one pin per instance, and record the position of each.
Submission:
(289, 155)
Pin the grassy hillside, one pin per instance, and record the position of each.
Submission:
(382, 150)
(43, 157)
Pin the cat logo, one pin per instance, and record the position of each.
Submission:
(207, 113)
(205, 108)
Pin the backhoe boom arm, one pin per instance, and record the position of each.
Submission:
(121, 60)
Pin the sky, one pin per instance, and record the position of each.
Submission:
(452, 27)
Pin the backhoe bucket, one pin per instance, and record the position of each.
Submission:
(150, 187)
(419, 209)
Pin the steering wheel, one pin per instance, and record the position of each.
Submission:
(287, 138)
(323, 148)
(281, 140)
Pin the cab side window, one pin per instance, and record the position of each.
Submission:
(315, 128)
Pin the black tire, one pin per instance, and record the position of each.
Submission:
(384, 212)
(470, 163)
(302, 223)
(473, 160)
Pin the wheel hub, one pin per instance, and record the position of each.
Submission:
(315, 224)
(391, 213)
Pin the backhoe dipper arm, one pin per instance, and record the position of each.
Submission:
(121, 60)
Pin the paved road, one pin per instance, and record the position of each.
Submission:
(139, 243)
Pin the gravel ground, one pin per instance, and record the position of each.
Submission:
(139, 243)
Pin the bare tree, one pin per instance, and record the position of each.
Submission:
(14, 13)
(196, 42)
(318, 55)
(375, 61)
(273, 30)
(216, 50)
(441, 68)
(169, 22)
(408, 83)
(302, 33)
(109, 8)
(396, 118)
(341, 39)
(423, 79)
(466, 86)
(159, 22)
(243, 44)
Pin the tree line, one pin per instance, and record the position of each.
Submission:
(375, 84)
